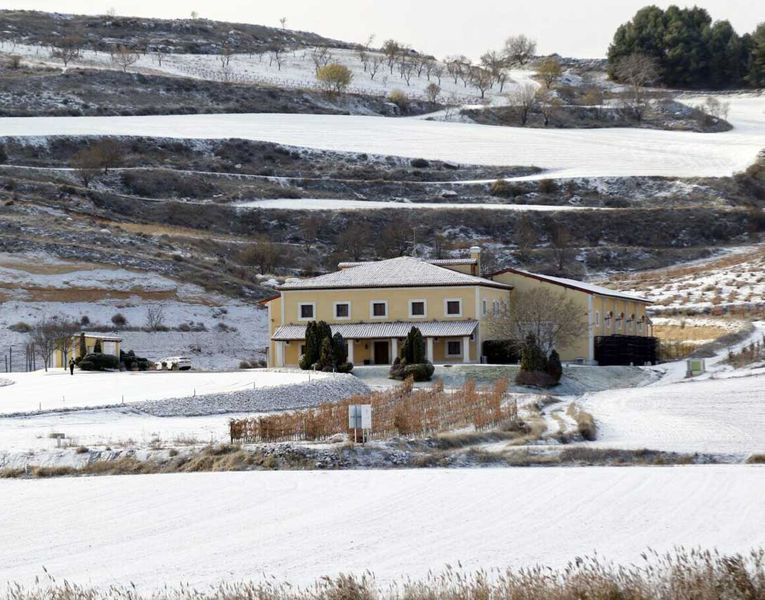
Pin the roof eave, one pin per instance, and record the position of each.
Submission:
(571, 287)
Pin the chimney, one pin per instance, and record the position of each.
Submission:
(475, 254)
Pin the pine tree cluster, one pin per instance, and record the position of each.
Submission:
(691, 50)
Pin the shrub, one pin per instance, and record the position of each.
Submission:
(85, 320)
(501, 352)
(554, 366)
(419, 371)
(99, 362)
(534, 379)
(419, 163)
(504, 189)
(400, 99)
(20, 327)
(132, 362)
(532, 357)
(334, 78)
(547, 186)
(411, 361)
(119, 320)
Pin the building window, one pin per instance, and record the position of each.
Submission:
(453, 307)
(484, 308)
(454, 348)
(416, 308)
(597, 317)
(495, 307)
(378, 309)
(342, 310)
(306, 311)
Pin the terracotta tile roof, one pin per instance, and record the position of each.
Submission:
(404, 271)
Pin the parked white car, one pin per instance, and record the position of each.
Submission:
(174, 363)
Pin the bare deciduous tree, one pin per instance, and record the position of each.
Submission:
(523, 98)
(276, 55)
(638, 71)
(432, 91)
(553, 317)
(519, 50)
(263, 253)
(321, 57)
(124, 57)
(283, 22)
(549, 104)
(67, 48)
(524, 236)
(560, 241)
(226, 52)
(494, 62)
(375, 62)
(155, 317)
(49, 335)
(482, 80)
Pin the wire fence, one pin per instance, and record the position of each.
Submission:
(19, 358)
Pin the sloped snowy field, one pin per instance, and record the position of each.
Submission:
(56, 390)
(201, 528)
(566, 153)
(723, 416)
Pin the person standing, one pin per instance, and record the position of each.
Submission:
(71, 366)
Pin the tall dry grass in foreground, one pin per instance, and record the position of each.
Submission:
(682, 575)
(402, 410)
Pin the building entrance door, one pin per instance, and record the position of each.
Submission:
(382, 353)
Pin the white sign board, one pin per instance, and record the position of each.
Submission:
(360, 416)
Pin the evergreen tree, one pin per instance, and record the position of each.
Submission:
(532, 358)
(312, 347)
(554, 366)
(339, 349)
(413, 349)
(83, 346)
(325, 354)
(97, 347)
(755, 67)
(690, 49)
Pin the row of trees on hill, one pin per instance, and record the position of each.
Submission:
(690, 50)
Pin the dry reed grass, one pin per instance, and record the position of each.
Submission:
(399, 411)
(679, 575)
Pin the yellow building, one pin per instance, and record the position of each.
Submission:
(109, 345)
(608, 312)
(373, 305)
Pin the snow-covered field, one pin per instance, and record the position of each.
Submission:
(719, 416)
(565, 153)
(324, 204)
(201, 528)
(57, 389)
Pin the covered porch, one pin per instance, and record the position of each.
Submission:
(446, 342)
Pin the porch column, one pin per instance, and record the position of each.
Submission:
(429, 348)
(279, 354)
(466, 349)
(393, 349)
(351, 343)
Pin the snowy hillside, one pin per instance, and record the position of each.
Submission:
(297, 70)
(563, 153)
(215, 332)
